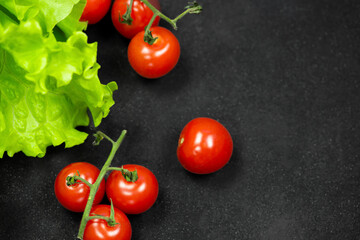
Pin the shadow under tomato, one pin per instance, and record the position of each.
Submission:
(175, 81)
(152, 218)
(225, 177)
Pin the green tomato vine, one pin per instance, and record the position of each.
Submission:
(129, 176)
(191, 8)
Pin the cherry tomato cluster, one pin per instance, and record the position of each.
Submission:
(127, 197)
(148, 60)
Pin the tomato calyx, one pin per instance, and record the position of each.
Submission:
(76, 179)
(130, 176)
(132, 198)
(126, 18)
(148, 37)
(110, 220)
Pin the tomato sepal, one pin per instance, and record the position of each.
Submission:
(126, 18)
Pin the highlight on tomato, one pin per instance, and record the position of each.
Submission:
(205, 146)
(132, 197)
(140, 15)
(95, 10)
(158, 59)
(99, 229)
(74, 197)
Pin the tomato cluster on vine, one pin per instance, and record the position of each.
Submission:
(127, 197)
(152, 59)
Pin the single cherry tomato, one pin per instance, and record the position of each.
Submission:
(98, 229)
(132, 197)
(205, 146)
(95, 10)
(74, 197)
(158, 59)
(140, 14)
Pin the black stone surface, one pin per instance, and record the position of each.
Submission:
(281, 75)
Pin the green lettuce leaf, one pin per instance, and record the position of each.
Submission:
(48, 76)
(48, 13)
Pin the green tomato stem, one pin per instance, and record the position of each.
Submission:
(160, 14)
(95, 186)
(114, 169)
(98, 217)
(148, 37)
(103, 135)
(191, 8)
(112, 221)
(181, 15)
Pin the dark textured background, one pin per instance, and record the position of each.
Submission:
(281, 75)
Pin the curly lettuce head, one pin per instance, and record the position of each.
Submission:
(48, 76)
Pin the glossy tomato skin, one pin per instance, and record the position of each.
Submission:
(205, 146)
(140, 14)
(95, 10)
(98, 229)
(156, 60)
(132, 197)
(74, 198)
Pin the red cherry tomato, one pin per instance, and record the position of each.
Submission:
(158, 59)
(74, 197)
(205, 146)
(95, 10)
(98, 229)
(132, 197)
(140, 14)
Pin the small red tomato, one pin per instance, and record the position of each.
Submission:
(95, 10)
(205, 146)
(74, 197)
(98, 229)
(140, 14)
(156, 60)
(132, 197)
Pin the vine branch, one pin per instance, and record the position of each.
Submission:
(94, 187)
(191, 8)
